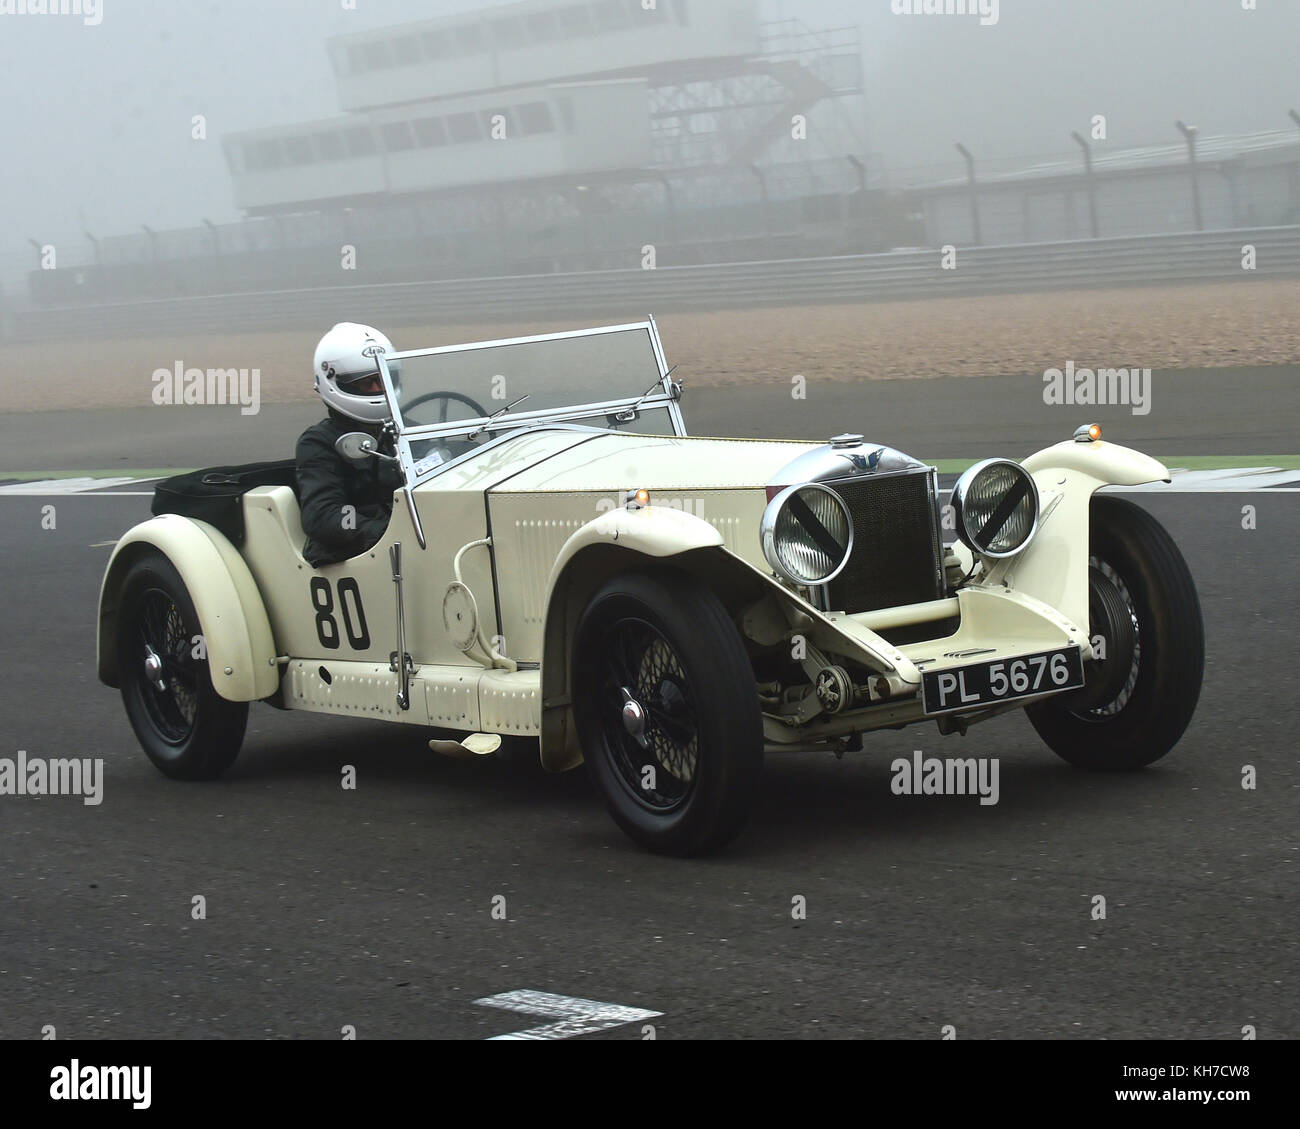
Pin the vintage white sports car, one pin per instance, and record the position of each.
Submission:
(567, 572)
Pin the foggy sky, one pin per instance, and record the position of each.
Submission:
(96, 120)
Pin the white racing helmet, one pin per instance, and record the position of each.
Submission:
(347, 374)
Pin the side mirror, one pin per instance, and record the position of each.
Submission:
(359, 448)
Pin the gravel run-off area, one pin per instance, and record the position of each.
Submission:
(1162, 328)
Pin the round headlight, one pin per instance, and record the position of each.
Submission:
(807, 534)
(997, 508)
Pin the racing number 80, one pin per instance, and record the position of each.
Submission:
(327, 628)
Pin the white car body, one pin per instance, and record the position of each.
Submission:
(503, 543)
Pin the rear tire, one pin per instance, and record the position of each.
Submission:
(1128, 717)
(186, 728)
(686, 784)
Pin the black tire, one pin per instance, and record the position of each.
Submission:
(667, 637)
(1130, 715)
(187, 729)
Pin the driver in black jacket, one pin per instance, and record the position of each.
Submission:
(346, 508)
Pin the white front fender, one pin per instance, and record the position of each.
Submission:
(1054, 568)
(653, 531)
(1109, 463)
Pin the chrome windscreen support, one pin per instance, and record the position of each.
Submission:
(409, 494)
(399, 661)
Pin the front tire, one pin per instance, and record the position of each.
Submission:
(667, 712)
(184, 726)
(1139, 700)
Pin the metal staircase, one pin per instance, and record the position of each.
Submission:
(731, 113)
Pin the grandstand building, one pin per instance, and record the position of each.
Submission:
(539, 42)
(542, 136)
(525, 134)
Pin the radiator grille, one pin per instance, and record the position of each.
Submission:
(897, 551)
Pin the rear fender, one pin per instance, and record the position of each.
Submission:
(236, 629)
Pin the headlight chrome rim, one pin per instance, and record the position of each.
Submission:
(961, 494)
(772, 546)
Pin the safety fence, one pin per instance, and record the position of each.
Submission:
(1242, 254)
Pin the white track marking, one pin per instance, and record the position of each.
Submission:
(573, 1016)
(1236, 480)
(67, 485)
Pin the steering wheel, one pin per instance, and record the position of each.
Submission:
(448, 448)
(480, 412)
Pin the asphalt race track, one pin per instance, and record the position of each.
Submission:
(1203, 411)
(373, 908)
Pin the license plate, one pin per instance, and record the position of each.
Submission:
(1005, 680)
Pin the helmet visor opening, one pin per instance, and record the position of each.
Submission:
(367, 384)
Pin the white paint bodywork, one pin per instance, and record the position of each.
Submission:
(236, 631)
(1054, 568)
(535, 521)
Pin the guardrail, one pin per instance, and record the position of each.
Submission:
(1202, 257)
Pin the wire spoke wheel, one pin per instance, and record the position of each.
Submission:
(1115, 627)
(1144, 681)
(184, 726)
(167, 678)
(656, 759)
(667, 711)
